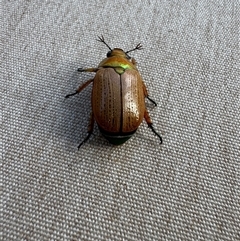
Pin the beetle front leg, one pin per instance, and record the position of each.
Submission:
(88, 70)
(80, 88)
(150, 125)
(90, 130)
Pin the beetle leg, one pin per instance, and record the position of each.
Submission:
(146, 94)
(134, 61)
(80, 88)
(150, 125)
(152, 101)
(88, 70)
(90, 130)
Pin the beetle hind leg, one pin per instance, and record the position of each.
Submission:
(90, 130)
(150, 125)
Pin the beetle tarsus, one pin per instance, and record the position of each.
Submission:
(152, 101)
(153, 130)
(86, 138)
(67, 96)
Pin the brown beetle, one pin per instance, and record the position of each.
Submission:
(118, 97)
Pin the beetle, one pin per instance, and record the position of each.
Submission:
(118, 97)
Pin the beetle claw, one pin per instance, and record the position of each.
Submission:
(67, 96)
(86, 138)
(153, 130)
(152, 101)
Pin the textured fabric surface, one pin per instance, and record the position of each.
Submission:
(185, 189)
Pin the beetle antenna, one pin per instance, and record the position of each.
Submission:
(101, 39)
(139, 46)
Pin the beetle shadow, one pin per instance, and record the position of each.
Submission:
(75, 110)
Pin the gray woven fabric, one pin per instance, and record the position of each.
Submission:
(185, 189)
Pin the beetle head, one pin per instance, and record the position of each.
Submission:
(118, 52)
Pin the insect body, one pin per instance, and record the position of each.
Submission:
(118, 97)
